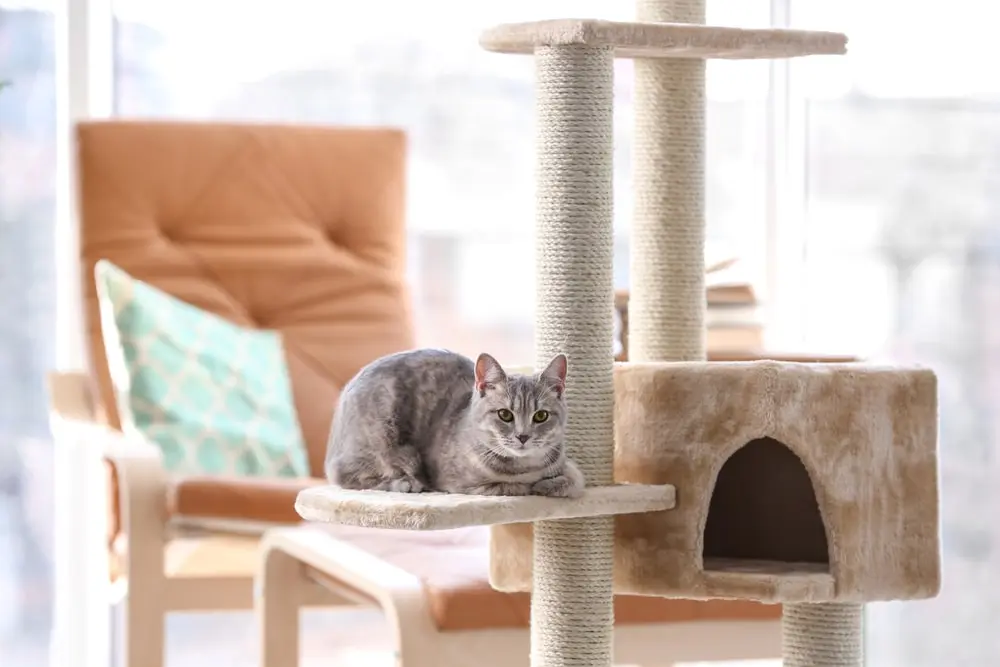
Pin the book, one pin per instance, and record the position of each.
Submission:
(727, 284)
(732, 314)
(732, 311)
(720, 265)
(731, 293)
(738, 338)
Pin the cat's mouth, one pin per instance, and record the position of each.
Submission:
(521, 451)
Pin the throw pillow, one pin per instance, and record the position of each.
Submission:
(214, 397)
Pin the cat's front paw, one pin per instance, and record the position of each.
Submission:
(499, 489)
(567, 485)
(401, 485)
(559, 486)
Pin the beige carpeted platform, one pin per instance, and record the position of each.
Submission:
(439, 511)
(663, 40)
(795, 482)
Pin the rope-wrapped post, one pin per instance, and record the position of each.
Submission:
(667, 267)
(667, 300)
(827, 634)
(572, 613)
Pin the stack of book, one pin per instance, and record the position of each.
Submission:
(732, 316)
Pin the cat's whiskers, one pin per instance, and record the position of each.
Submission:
(511, 453)
(502, 453)
(494, 460)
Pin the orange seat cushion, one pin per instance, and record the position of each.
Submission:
(237, 498)
(227, 498)
(454, 565)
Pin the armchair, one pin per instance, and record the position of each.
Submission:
(298, 229)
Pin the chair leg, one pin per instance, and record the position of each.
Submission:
(145, 627)
(277, 596)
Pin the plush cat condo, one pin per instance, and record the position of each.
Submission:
(812, 485)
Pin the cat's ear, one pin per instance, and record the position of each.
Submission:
(489, 373)
(555, 373)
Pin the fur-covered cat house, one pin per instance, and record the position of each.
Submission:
(795, 483)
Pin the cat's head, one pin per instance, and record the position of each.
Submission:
(523, 415)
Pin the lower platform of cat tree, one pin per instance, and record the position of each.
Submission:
(440, 511)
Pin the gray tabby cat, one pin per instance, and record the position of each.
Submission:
(432, 420)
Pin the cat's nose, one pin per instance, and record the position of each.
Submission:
(523, 438)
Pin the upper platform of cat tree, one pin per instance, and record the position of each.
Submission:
(663, 40)
(439, 511)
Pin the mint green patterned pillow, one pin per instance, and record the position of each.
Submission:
(215, 397)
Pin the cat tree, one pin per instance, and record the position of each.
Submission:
(852, 448)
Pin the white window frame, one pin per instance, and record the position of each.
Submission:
(785, 215)
(81, 633)
(85, 90)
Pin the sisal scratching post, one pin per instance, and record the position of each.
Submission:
(571, 605)
(822, 634)
(667, 301)
(667, 294)
(825, 634)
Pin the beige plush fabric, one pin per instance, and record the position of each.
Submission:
(662, 40)
(439, 511)
(801, 482)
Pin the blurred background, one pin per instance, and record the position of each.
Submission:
(860, 194)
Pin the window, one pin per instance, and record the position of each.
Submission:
(901, 263)
(27, 327)
(470, 118)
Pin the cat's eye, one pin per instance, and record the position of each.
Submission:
(505, 415)
(540, 416)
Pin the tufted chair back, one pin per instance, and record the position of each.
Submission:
(295, 229)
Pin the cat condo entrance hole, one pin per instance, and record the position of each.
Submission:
(763, 518)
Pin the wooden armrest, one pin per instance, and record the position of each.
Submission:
(71, 405)
(138, 466)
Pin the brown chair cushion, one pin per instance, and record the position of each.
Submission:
(237, 498)
(293, 228)
(454, 566)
